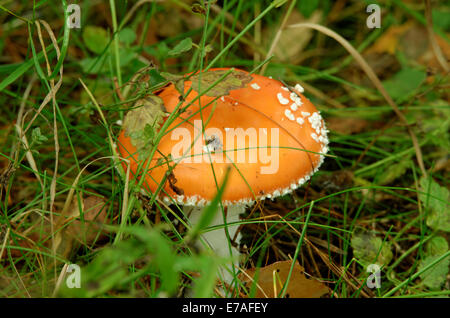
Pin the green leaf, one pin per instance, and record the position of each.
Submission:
(404, 83)
(145, 252)
(165, 257)
(184, 46)
(156, 77)
(370, 249)
(37, 136)
(127, 55)
(436, 246)
(160, 51)
(22, 68)
(204, 285)
(127, 36)
(177, 80)
(434, 277)
(435, 200)
(437, 126)
(222, 82)
(95, 38)
(94, 65)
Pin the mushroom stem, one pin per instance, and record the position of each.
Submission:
(219, 241)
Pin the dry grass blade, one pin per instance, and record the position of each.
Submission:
(245, 275)
(340, 272)
(115, 156)
(434, 45)
(53, 90)
(29, 154)
(21, 280)
(65, 217)
(21, 134)
(54, 87)
(69, 197)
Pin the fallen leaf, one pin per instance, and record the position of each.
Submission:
(143, 122)
(84, 225)
(23, 243)
(69, 229)
(94, 215)
(434, 277)
(436, 246)
(183, 46)
(271, 279)
(435, 199)
(369, 248)
(394, 171)
(234, 80)
(404, 83)
(95, 38)
(414, 42)
(177, 80)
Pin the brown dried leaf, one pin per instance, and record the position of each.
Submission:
(142, 123)
(177, 80)
(94, 215)
(236, 79)
(389, 41)
(414, 42)
(271, 279)
(86, 229)
(69, 229)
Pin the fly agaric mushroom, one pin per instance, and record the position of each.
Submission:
(273, 138)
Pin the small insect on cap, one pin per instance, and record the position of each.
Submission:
(270, 135)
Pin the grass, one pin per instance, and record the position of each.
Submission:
(58, 127)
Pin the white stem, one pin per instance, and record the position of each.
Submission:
(218, 240)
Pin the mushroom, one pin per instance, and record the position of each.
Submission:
(271, 136)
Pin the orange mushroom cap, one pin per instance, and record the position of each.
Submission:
(271, 136)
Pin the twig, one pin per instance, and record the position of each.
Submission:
(59, 281)
(4, 243)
